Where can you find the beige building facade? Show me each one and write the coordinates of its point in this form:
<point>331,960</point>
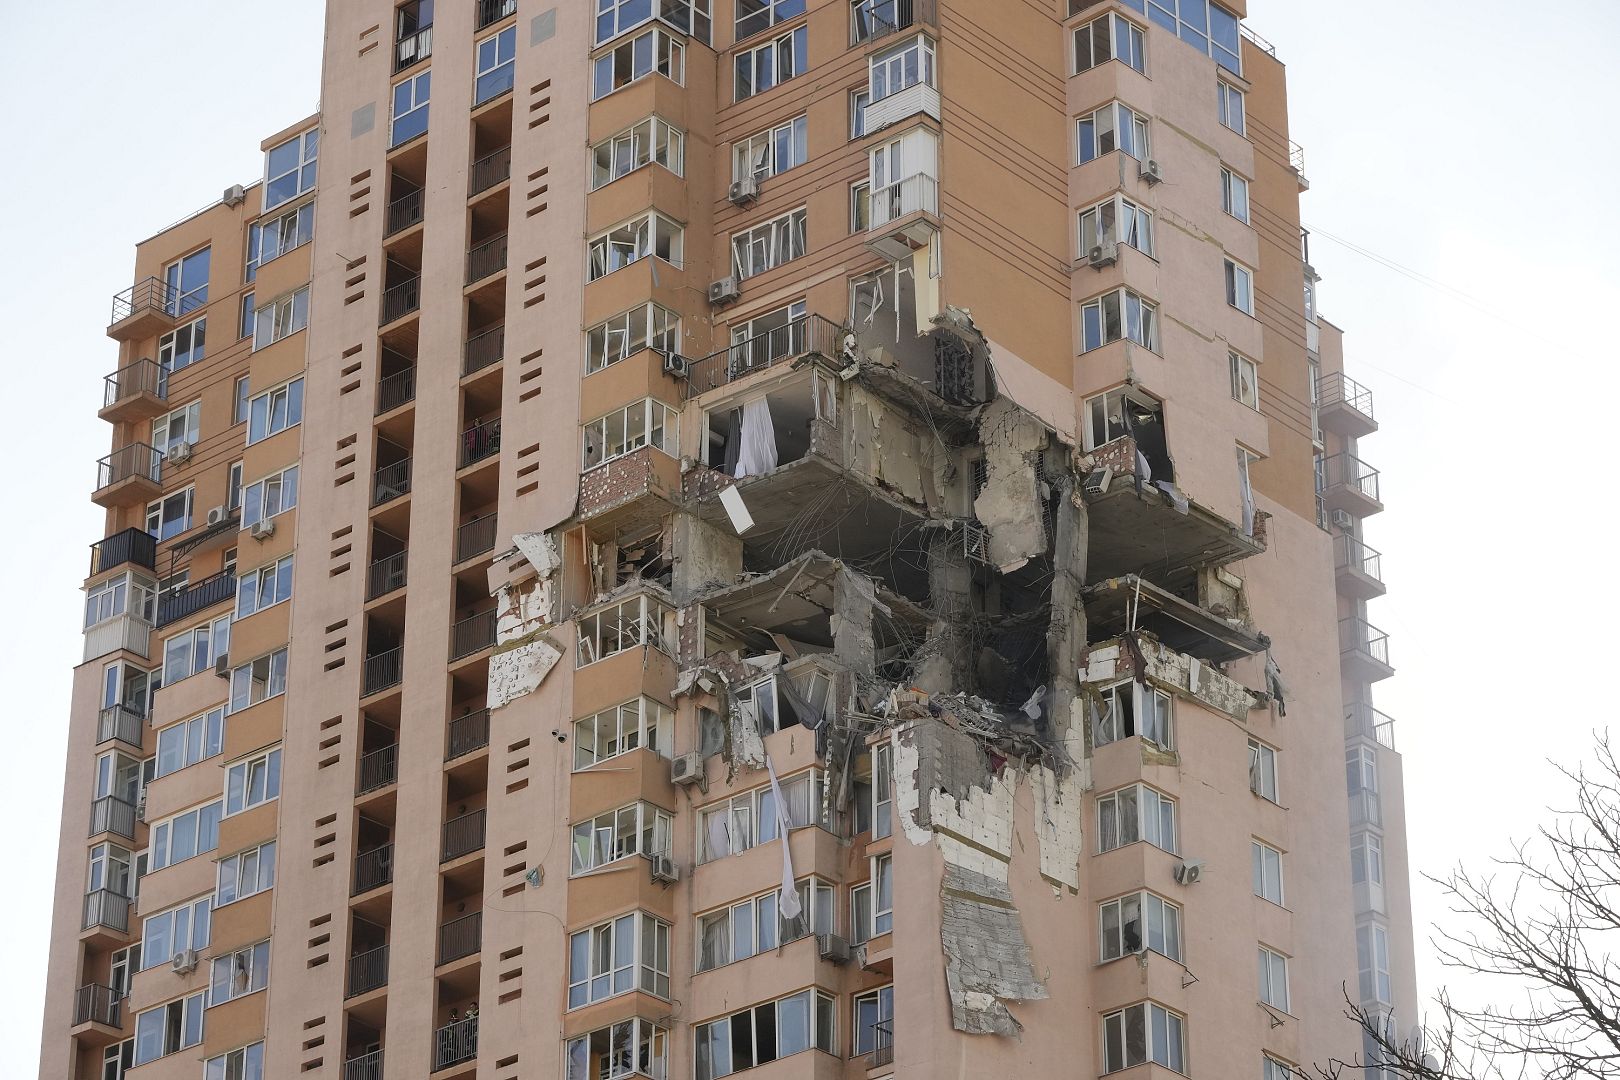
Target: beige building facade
<point>914,627</point>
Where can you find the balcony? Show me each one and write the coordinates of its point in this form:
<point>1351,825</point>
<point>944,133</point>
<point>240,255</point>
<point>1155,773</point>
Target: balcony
<point>122,723</point>
<point>463,835</point>
<point>1345,406</point>
<point>378,769</point>
<point>882,1045</point>
<point>455,1042</point>
<point>373,869</point>
<point>480,441</point>
<point>812,335</point>
<point>905,216</point>
<point>402,299</point>
<point>1351,485</point>
<point>134,546</point>
<point>1129,602</point>
<point>483,349</point>
<point>144,310</point>
<point>383,671</point>
<point>413,48</point>
<point>404,212</point>
<point>461,937</point>
<point>1365,809</point>
<point>96,1004</point>
<point>491,12</point>
<point>364,1067</point>
<point>137,391</point>
<point>1364,720</point>
<point>491,169</point>
<point>1363,651</point>
<point>918,98</point>
<point>390,482</point>
<point>196,596</point>
<point>128,632</point>
<point>1357,568</point>
<point>1296,162</point>
<point>486,259</point>
<point>881,18</point>
<point>475,538</point>
<point>110,814</point>
<point>386,575</point>
<point>467,733</point>
<point>132,475</point>
<point>472,634</point>
<point>106,910</point>
<point>368,971</point>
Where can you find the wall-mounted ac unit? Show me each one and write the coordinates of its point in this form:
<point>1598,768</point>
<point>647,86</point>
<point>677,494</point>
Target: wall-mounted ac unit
<point>744,192</point>
<point>178,454</point>
<point>1151,172</point>
<point>222,665</point>
<point>1103,255</point>
<point>216,515</point>
<point>1342,520</point>
<point>833,948</point>
<point>234,195</point>
<point>676,365</point>
<point>1189,871</point>
<point>686,769</point>
<point>664,870</point>
<point>1096,483</point>
<point>263,530</point>
<point>184,962</point>
<point>728,290</point>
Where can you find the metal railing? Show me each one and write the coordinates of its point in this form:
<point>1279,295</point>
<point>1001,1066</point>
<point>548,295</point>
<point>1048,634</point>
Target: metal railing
<point>483,349</point>
<point>493,11</point>
<point>120,722</point>
<point>1296,157</point>
<point>141,377</point>
<point>461,937</point>
<point>103,907</point>
<point>1351,554</point>
<point>486,258</point>
<point>882,1045</point>
<point>378,769</point>
<point>480,441</point>
<point>918,193</point>
<point>364,1067</point>
<point>1369,722</point>
<point>1347,470</point>
<point>404,212</point>
<point>97,1004</point>
<point>1259,42</point>
<point>402,299</point>
<point>396,390</point>
<point>1340,389</point>
<point>493,168</point>
<point>471,634</point>
<point>135,546</point>
<point>373,868</point>
<point>386,575</point>
<point>367,971</point>
<point>467,733</point>
<point>455,1042</point>
<point>475,538</point>
<point>463,835</point>
<point>384,669</point>
<point>390,482</point>
<point>134,461</point>
<point>196,596</point>
<point>1358,635</point>
<point>810,335</point>
<point>881,18</point>
<point>112,814</point>
<point>413,49</point>
<point>148,294</point>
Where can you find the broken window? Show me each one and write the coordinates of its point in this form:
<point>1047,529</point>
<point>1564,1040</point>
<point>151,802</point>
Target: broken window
<point>860,913</point>
<point>640,620</point>
<point>768,430</point>
<point>882,894</point>
<point>1138,922</point>
<point>648,422</point>
<point>769,710</point>
<point>1133,814</point>
<point>1245,380</point>
<point>1117,221</point>
<point>768,246</point>
<point>750,818</point>
<point>629,1048</point>
<point>764,1033</point>
<point>1262,770</point>
<point>637,829</point>
<point>1141,1033</point>
<point>1245,459</point>
<point>766,339</point>
<point>1115,126</point>
<point>1126,413</point>
<point>652,234</point>
<point>1119,314</point>
<point>627,333</point>
<point>882,791</point>
<point>1129,709</point>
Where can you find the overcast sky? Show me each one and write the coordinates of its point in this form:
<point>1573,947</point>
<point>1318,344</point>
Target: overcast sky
<point>1463,143</point>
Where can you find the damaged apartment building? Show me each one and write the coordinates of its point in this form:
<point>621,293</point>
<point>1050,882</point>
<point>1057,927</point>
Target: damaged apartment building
<point>906,629</point>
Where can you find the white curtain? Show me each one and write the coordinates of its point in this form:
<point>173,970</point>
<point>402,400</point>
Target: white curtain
<point>757,454</point>
<point>788,900</point>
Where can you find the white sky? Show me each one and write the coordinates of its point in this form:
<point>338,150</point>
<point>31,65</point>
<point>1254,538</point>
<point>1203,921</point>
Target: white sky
<point>1463,141</point>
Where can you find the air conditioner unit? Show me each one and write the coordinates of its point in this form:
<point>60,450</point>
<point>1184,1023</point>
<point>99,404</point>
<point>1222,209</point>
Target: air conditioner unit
<point>216,515</point>
<point>222,666</point>
<point>664,870</point>
<point>727,290</point>
<point>686,769</point>
<point>263,530</point>
<point>745,191</point>
<point>1150,171</point>
<point>234,195</point>
<point>140,807</point>
<point>178,454</point>
<point>1097,481</point>
<point>1103,255</point>
<point>184,962</point>
<point>833,948</point>
<point>1189,871</point>
<point>676,365</point>
<point>1343,520</point>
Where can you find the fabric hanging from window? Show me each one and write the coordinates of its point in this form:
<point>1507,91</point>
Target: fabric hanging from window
<point>757,454</point>
<point>788,905</point>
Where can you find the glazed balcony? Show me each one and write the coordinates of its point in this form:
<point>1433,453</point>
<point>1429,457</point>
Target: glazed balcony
<point>110,814</point>
<point>368,971</point>
<point>467,734</point>
<point>1351,485</point>
<point>461,937</point>
<point>134,546</point>
<point>1357,568</point>
<point>144,310</point>
<point>132,475</point>
<point>134,392</point>
<point>812,335</point>
<point>195,596</point>
<point>462,836</point>
<point>1345,406</point>
<point>1363,651</point>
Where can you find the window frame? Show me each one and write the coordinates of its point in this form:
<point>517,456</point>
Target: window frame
<point>281,318</point>
<point>198,932</point>
<point>1144,823</point>
<point>187,1025</point>
<point>656,417</point>
<point>157,512</point>
<point>881,1001</point>
<point>251,589</point>
<point>891,65</point>
<point>789,50</point>
<point>1105,123</point>
<point>257,502</point>
<point>240,796</point>
<point>1239,287</point>
<point>160,849</point>
<point>275,668</point>
<point>1273,968</point>
<point>646,234</point>
<point>169,352</point>
<point>819,1008</point>
<point>294,227</point>
<point>178,427</point>
<point>1113,722</point>
<point>1130,223</point>
<point>1135,56</point>
<point>203,734</point>
<point>419,95</point>
<point>500,71</point>
<point>1245,380</point>
<point>641,149</point>
<point>263,858</point>
<point>204,641</point>
<point>304,167</point>
<point>767,930</point>
<point>666,56</point>
<point>290,395</point>
<point>776,12</point>
<point>768,245</point>
<point>1234,195</point>
<point>1112,941</point>
<point>1263,773</point>
<point>764,150</point>
<point>757,807</point>
<point>651,835</point>
<point>1173,1055</point>
<point>1372,964</point>
<point>178,299</point>
<point>641,958</point>
<point>653,734</point>
<point>650,610</point>
<point>253,959</point>
<point>1225,96</point>
<point>645,326</point>
<point>1095,316</point>
<point>698,22</point>
<point>1264,860</point>
<point>250,1065</point>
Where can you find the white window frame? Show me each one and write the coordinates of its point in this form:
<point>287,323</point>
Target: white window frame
<point>1102,127</point>
<point>118,595</point>
<point>860,206</point>
<point>882,894</point>
<point>264,587</point>
<point>253,781</point>
<point>1372,962</point>
<point>1266,872</point>
<point>1118,39</point>
<point>179,299</point>
<point>1275,1069</point>
<point>900,67</point>
<point>770,244</point>
<point>626,1049</point>
<point>1274,979</point>
<point>1150,715</point>
<point>302,166</point>
<point>492,54</point>
<point>650,141</point>
<point>287,231</point>
<point>281,318</point>
<point>1367,859</point>
<point>648,618</point>
<point>859,102</point>
<point>775,12</point>
<point>644,423</point>
<point>1263,770</point>
<point>110,867</point>
<point>638,829</point>
<point>690,17</point>
<point>1231,107</point>
<point>202,643</point>
<point>171,357</point>
<point>1154,813</point>
<point>197,915</point>
<point>1116,220</point>
<point>882,790</point>
<point>1119,315</point>
<point>640,723</point>
<point>1240,287</point>
<point>1234,195</point>
<point>752,816</point>
<point>243,1063</point>
<point>239,973</point>
<point>646,326</point>
<point>248,872</point>
<point>288,397</point>
<point>418,95</point>
<point>1245,380</point>
<point>233,487</point>
<point>257,496</point>
<point>197,822</point>
<point>1158,926</point>
<point>1203,25</point>
<point>1117,1054</point>
<point>819,1010</point>
<point>181,426</point>
<point>631,963</point>
<point>773,151</point>
<point>879,1005</point>
<point>624,64</point>
<point>264,675</point>
<point>761,68</point>
<point>754,925</point>
<point>645,235</point>
<point>157,513</point>
<point>188,1026</point>
<point>200,738</point>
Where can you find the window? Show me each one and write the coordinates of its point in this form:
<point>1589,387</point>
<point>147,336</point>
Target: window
<point>775,62</point>
<point>1112,37</point>
<point>1272,1069</point>
<point>245,1063</point>
<point>173,931</point>
<point>902,67</point>
<point>186,283</point>
<point>882,791</point>
<point>289,169</point>
<point>615,17</point>
<point>756,15</point>
<point>1140,921</point>
<point>624,431</point>
<point>259,589</point>
<point>270,496</point>
<point>1372,958</point>
<point>637,829</point>
<point>859,100</point>
<point>190,741</point>
<point>1239,287</point>
<point>1117,221</point>
<point>275,410</point>
<point>1235,195</point>
<point>629,953</point>
<point>239,411</point>
<point>193,651</point>
<point>1230,106</point>
<point>1119,314</point>
<point>281,318</point>
<point>182,346</point>
<point>239,973</point>
<point>651,53</point>
<point>259,679</point>
<point>768,246</point>
<point>127,687</point>
<point>1366,859</point>
<point>117,1059</point>
<point>1268,883</point>
<point>122,967</point>
<point>627,1049</point>
<point>1115,126</point>
<point>169,1028</point>
<point>627,333</point>
<point>1361,770</point>
<point>1141,1033</point>
<point>1273,979</point>
<point>1262,770</point>
<point>109,869</point>
<point>651,142</point>
<point>871,19</point>
<point>1245,381</point>
<point>244,326</point>
<point>756,925</point>
<point>1245,460</point>
<point>1130,709</point>
<point>497,61</point>
<point>245,874</point>
<point>1136,813</point>
<point>111,598</point>
<point>621,729</point>
<point>653,234</point>
<point>860,206</point>
<point>765,339</point>
<point>118,776</point>
<point>771,152</point>
<point>183,836</point>
<point>253,781</point>
<point>765,1033</point>
<point>882,894</point>
<point>170,515</point>
<point>750,819</point>
<point>411,108</point>
<point>874,1021</point>
<point>275,237</point>
<point>629,624</point>
<point>177,428</point>
<point>1207,26</point>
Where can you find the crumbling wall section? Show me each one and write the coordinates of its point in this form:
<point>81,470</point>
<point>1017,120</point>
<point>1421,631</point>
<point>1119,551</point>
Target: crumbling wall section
<point>706,557</point>
<point>1009,506</point>
<point>1175,672</point>
<point>525,609</point>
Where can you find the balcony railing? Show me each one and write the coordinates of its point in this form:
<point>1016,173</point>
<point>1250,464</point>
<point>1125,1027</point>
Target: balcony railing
<point>491,169</point>
<point>120,722</point>
<point>493,11</point>
<point>810,335</point>
<point>135,461</point>
<point>103,907</point>
<point>141,377</point>
<point>475,538</point>
<point>367,971</point>
<point>483,349</point>
<point>386,575</point>
<point>913,195</point>
<point>471,634</point>
<point>1366,809</point>
<point>467,733</point>
<point>463,835</point>
<point>1296,158</point>
<point>882,18</point>
<point>364,1067</point>
<point>487,258</point>
<point>1347,470</point>
<point>135,546</point>
<point>404,212</point>
<point>396,390</point>
<point>149,295</point>
<point>402,299</point>
<point>1360,636</point>
<point>373,869</point>
<point>412,49</point>
<point>196,596</point>
<point>390,482</point>
<point>383,670</point>
<point>110,814</point>
<point>378,769</point>
<point>480,441</point>
<point>1351,554</point>
<point>882,1045</point>
<point>96,1004</point>
<point>1339,389</point>
<point>1368,721</point>
<point>455,1043</point>
<point>461,937</point>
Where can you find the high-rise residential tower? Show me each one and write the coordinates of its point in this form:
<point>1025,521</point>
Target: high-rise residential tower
<point>807,537</point>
